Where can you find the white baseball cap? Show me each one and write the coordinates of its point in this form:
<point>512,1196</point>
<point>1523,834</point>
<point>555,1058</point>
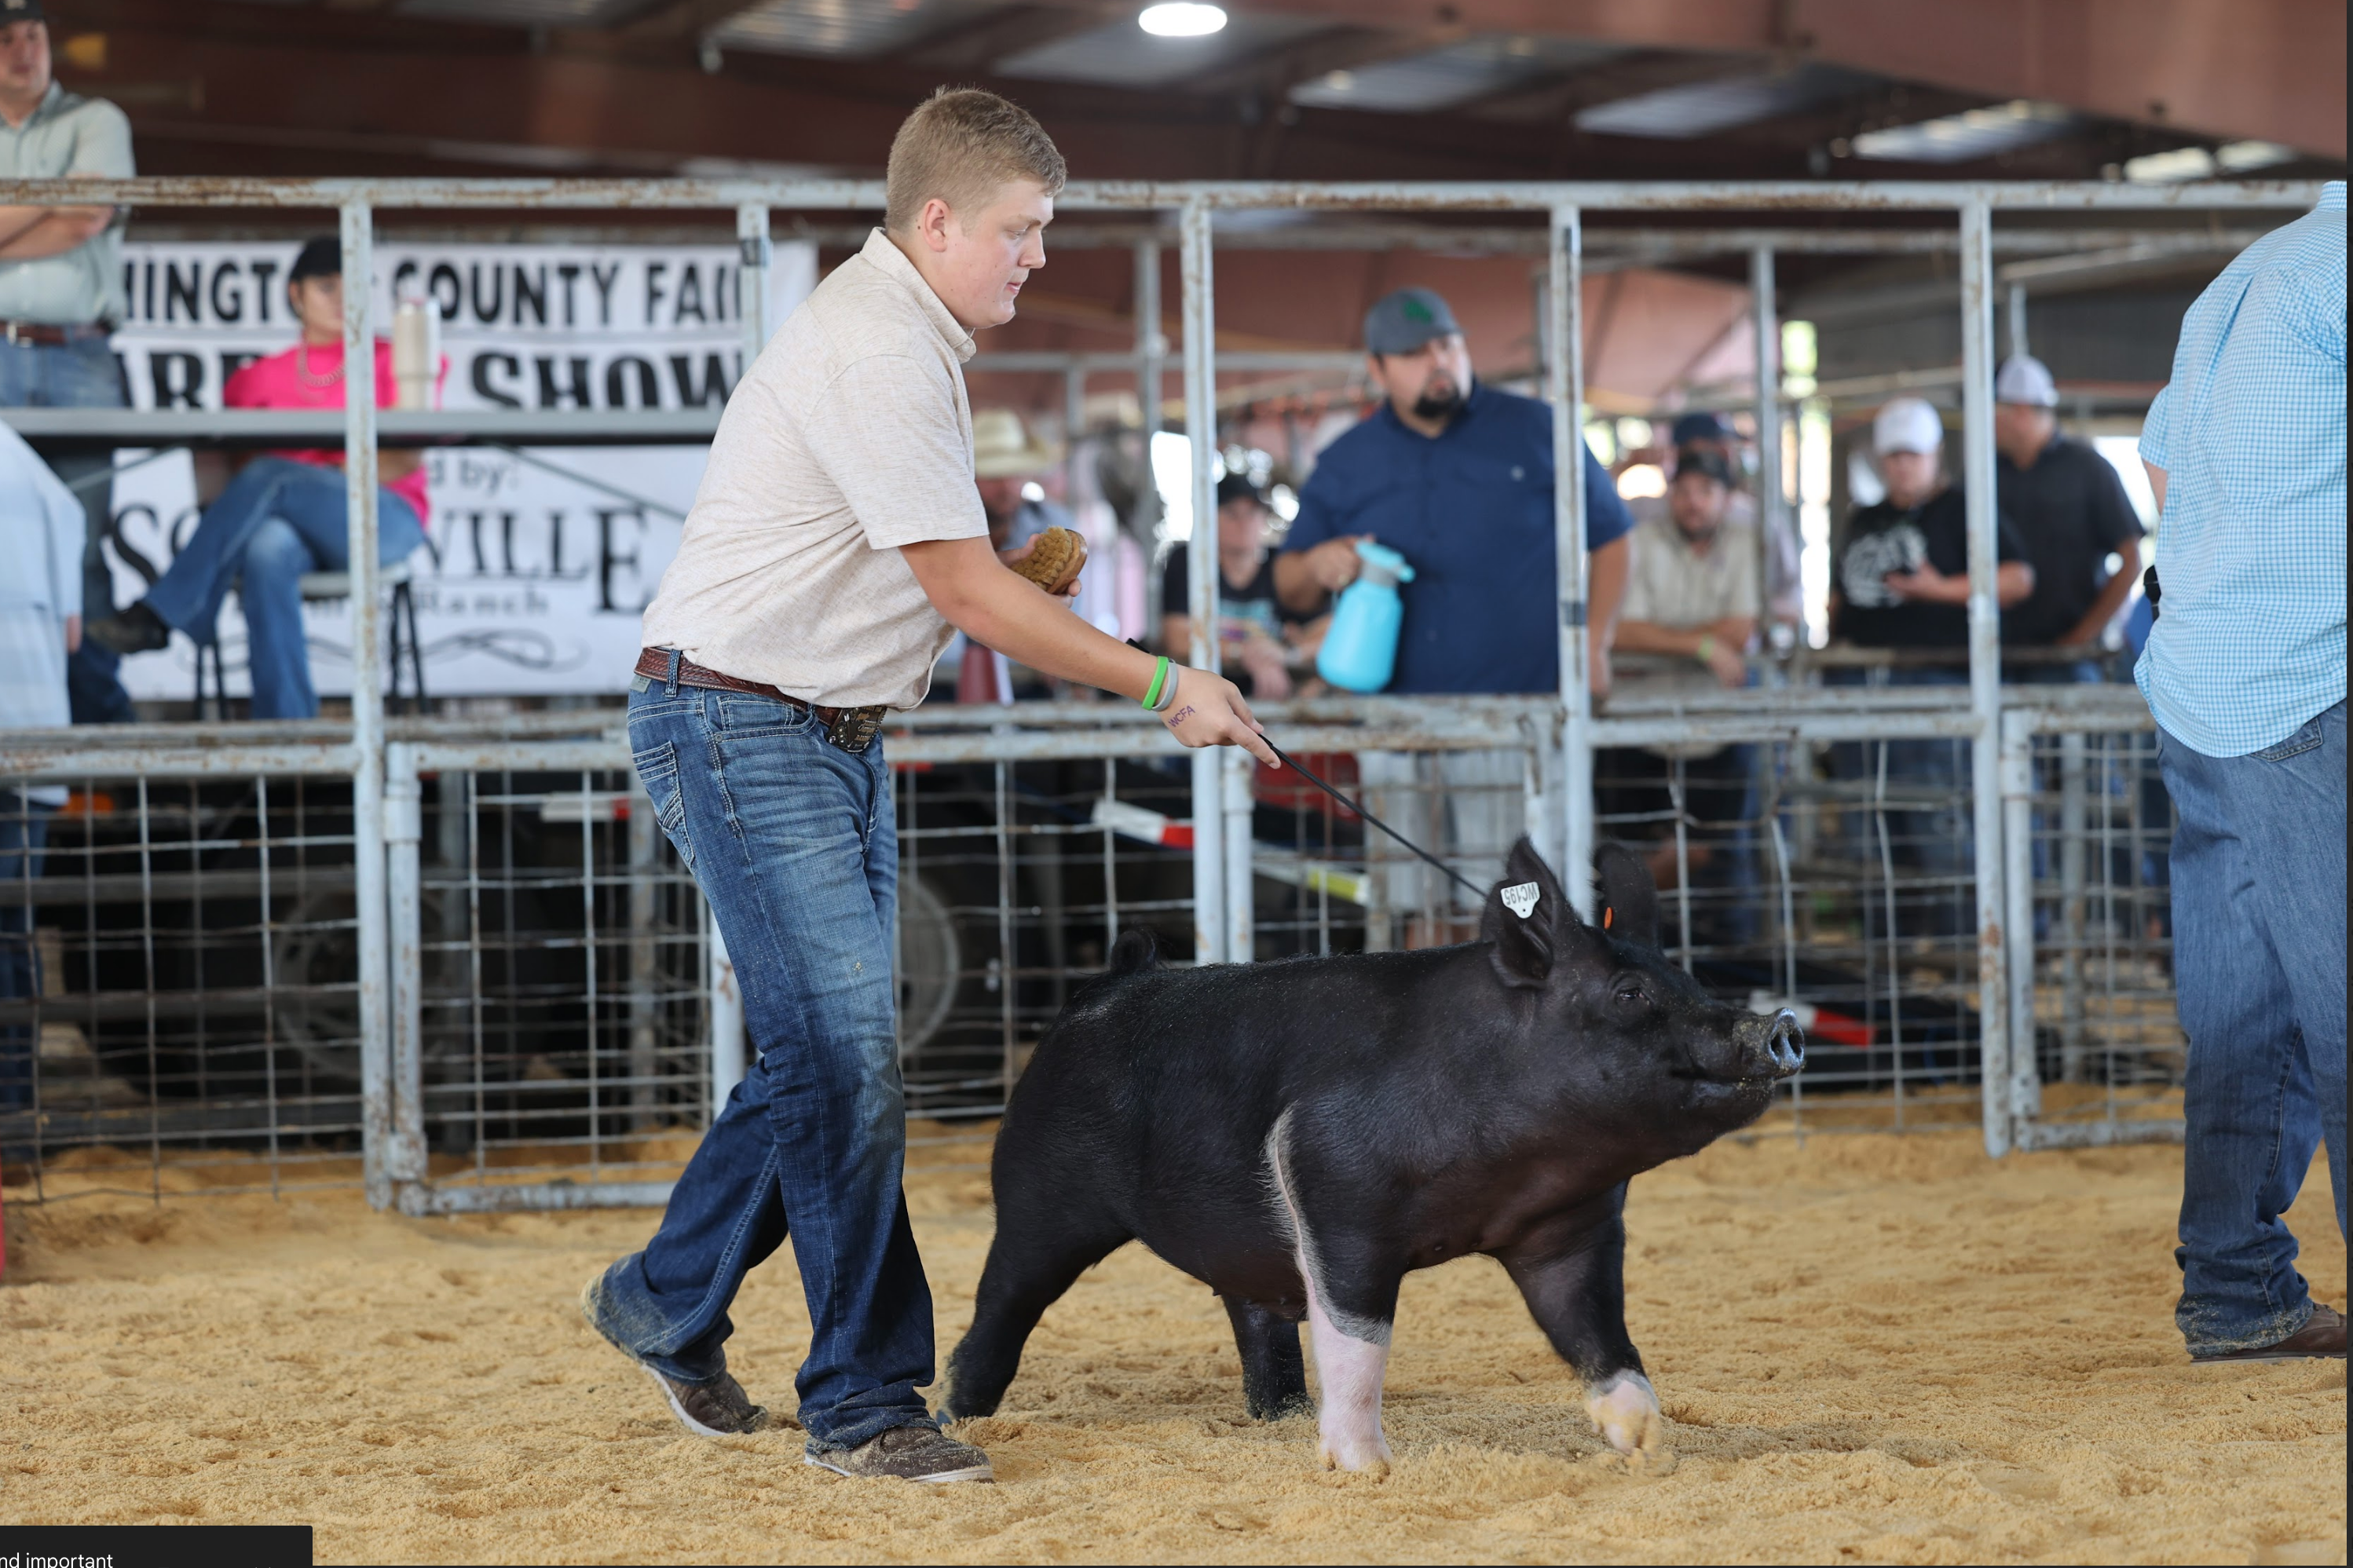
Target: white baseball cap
<point>2025,379</point>
<point>1907,425</point>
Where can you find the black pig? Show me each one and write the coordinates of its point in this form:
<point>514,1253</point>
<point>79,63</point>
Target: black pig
<point>1300,1134</point>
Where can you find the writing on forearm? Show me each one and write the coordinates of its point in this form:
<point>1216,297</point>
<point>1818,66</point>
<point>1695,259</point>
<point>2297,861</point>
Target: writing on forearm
<point>1180,715</point>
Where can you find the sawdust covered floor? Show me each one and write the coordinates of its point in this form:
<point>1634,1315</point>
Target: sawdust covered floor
<point>1871,1349</point>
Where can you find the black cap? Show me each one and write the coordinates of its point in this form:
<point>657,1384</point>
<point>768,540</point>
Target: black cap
<point>1237,487</point>
<point>21,11</point>
<point>1700,428</point>
<point>321,257</point>
<point>1703,460</point>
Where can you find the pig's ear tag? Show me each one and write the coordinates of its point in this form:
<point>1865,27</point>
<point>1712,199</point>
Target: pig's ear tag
<point>1520,899</point>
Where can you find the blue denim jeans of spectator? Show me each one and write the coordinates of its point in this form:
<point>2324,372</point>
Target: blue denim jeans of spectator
<point>1720,797</point>
<point>277,519</point>
<point>2259,974</point>
<point>2105,778</point>
<point>2083,672</point>
<point>24,835</point>
<point>795,845</point>
<point>1930,833</point>
<point>82,374</point>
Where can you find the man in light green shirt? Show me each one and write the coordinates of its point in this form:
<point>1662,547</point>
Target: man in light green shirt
<point>61,292</point>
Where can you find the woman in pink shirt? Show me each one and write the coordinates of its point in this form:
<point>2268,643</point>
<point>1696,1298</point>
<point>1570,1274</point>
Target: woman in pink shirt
<point>285,514</point>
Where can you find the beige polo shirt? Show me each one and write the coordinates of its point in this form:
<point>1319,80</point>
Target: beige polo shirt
<point>852,436</point>
<point>1669,583</point>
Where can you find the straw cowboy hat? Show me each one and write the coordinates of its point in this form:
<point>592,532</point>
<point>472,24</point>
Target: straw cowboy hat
<point>1002,448</point>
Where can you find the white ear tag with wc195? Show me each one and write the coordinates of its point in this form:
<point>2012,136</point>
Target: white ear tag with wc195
<point>1520,899</point>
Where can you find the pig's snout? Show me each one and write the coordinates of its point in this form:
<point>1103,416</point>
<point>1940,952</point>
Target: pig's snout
<point>1779,1048</point>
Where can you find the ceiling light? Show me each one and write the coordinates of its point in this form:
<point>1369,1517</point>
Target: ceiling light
<point>2167,168</point>
<point>2198,163</point>
<point>2243,157</point>
<point>1181,19</point>
<point>1971,134</point>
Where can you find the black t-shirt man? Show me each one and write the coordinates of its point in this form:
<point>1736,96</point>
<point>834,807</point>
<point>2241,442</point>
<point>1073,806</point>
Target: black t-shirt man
<point>1885,538</point>
<point>2072,514</point>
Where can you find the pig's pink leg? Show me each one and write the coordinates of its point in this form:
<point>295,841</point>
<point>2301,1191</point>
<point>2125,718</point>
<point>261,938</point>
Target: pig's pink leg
<point>1625,1411</point>
<point>1352,1351</point>
<point>1348,1372</point>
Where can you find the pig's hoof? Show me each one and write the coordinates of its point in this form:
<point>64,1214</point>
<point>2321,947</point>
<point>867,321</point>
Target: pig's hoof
<point>1371,1457</point>
<point>1625,1411</point>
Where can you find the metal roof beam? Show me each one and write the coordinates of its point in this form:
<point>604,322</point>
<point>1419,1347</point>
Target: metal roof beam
<point>2273,69</point>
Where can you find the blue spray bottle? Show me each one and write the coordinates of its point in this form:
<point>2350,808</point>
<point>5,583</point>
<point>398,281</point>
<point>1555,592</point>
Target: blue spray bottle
<point>1359,653</point>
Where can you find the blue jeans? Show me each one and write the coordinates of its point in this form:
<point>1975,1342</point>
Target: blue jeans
<point>795,845</point>
<point>277,519</point>
<point>2259,974</point>
<point>82,373</point>
<point>24,833</point>
<point>1935,838</point>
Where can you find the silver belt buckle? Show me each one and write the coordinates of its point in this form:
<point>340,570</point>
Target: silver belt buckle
<point>853,728</point>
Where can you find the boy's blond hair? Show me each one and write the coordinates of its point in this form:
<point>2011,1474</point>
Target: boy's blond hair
<point>960,145</point>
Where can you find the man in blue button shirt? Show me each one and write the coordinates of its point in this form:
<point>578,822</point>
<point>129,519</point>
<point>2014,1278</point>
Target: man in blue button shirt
<point>1457,479</point>
<point>2245,671</point>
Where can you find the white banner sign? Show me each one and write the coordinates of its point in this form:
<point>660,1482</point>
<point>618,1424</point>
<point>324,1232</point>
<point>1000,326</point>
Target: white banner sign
<point>536,564</point>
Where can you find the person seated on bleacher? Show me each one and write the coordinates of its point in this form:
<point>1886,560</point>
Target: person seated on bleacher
<point>285,514</point>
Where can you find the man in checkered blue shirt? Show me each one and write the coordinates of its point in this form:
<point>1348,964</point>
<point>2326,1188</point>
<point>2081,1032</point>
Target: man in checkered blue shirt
<point>2245,673</point>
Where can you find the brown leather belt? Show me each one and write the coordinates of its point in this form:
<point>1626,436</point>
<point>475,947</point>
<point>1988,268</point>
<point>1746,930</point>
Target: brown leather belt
<point>852,729</point>
<point>45,333</point>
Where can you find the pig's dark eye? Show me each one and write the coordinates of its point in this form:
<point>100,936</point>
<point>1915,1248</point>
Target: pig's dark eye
<point>1631,992</point>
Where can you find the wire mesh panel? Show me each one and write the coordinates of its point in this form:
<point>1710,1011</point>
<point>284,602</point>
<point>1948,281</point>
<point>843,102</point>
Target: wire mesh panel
<point>2091,831</point>
<point>178,982</point>
<point>1015,879</point>
<point>1327,881</point>
<point>562,1025</point>
<point>1831,877</point>
<point>179,956</point>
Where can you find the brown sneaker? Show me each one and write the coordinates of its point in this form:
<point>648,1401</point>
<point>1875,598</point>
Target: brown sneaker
<point>910,1454</point>
<point>716,1408</point>
<point>719,1408</point>
<point>2321,1338</point>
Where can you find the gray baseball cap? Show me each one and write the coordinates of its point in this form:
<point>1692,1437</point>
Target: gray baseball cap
<point>1402,322</point>
<point>21,11</point>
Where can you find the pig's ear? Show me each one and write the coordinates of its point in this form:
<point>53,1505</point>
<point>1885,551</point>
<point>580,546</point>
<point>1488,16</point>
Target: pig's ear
<point>1525,916</point>
<point>1628,894</point>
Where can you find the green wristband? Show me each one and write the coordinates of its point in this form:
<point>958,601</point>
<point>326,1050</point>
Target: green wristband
<point>1159,674</point>
<point>1707,650</point>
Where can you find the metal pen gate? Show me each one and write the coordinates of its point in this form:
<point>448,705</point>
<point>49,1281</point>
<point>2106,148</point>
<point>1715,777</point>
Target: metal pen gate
<point>386,1016</point>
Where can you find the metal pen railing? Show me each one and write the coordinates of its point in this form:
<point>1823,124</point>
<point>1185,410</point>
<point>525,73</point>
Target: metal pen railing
<point>1221,795</point>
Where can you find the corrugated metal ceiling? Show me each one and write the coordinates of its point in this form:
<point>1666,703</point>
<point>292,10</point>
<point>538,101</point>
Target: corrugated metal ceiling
<point>1704,108</point>
<point>846,28</point>
<point>524,13</point>
<point>1972,133</point>
<point>1456,74</point>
